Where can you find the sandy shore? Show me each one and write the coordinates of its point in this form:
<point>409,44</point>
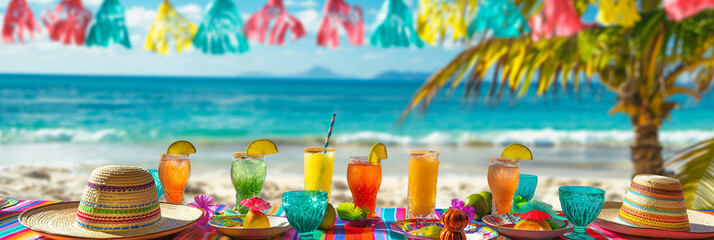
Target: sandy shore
<point>52,183</point>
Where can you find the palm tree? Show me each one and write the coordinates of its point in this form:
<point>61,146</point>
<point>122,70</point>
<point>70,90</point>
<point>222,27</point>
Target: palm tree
<point>641,64</point>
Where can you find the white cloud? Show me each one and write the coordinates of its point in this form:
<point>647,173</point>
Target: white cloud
<point>301,3</point>
<point>140,17</point>
<point>191,11</point>
<point>310,19</point>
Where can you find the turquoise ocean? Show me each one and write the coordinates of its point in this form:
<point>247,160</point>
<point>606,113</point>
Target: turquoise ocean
<point>103,115</point>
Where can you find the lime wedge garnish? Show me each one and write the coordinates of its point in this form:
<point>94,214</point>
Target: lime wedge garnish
<point>517,151</point>
<point>378,152</point>
<point>181,147</point>
<point>261,147</point>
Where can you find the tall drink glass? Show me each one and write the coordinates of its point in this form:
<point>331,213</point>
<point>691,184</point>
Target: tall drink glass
<point>423,172</point>
<point>364,179</point>
<point>248,176</point>
<point>174,171</point>
<point>503,176</point>
<point>319,163</point>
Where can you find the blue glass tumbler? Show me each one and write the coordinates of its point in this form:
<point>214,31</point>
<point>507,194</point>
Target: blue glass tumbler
<point>581,205</point>
<point>305,210</point>
<point>526,186</point>
<point>157,181</point>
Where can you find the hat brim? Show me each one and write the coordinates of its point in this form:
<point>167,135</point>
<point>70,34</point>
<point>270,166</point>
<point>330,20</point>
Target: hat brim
<point>57,221</point>
<point>701,224</point>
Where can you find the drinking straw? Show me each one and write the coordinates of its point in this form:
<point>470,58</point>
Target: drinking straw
<point>329,133</point>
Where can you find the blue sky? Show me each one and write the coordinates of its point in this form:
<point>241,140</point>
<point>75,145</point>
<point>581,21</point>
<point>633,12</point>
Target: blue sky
<point>41,56</point>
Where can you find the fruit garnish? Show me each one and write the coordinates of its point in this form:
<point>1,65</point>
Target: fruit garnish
<point>480,205</point>
<point>553,225</point>
<point>329,219</point>
<point>377,153</point>
<point>518,202</point>
<point>534,220</point>
<point>534,205</point>
<point>489,199</point>
<point>350,212</point>
<point>429,231</point>
<point>517,151</point>
<point>255,217</point>
<point>261,147</point>
<point>181,147</point>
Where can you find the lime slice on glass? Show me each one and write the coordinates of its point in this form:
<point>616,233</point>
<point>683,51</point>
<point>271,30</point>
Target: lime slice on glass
<point>261,147</point>
<point>517,151</point>
<point>377,152</point>
<point>181,147</point>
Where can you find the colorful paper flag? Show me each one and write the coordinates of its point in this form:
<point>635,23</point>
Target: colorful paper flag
<point>110,26</point>
<point>618,12</point>
<point>437,17</point>
<point>557,19</point>
<point>681,9</point>
<point>502,17</point>
<point>169,24</point>
<point>18,18</point>
<point>394,26</point>
<point>257,26</point>
<point>336,13</point>
<point>221,29</point>
<point>68,23</point>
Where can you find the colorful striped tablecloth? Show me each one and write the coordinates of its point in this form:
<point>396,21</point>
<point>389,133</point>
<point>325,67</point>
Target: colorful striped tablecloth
<point>11,229</point>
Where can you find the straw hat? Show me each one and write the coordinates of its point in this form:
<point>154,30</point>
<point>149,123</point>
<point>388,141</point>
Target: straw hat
<point>118,202</point>
<point>655,204</point>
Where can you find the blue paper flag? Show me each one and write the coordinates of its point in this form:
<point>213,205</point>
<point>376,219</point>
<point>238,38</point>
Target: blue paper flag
<point>110,26</point>
<point>502,17</point>
<point>221,30</point>
<point>394,26</point>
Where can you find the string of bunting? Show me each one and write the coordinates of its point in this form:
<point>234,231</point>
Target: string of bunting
<point>222,30</point>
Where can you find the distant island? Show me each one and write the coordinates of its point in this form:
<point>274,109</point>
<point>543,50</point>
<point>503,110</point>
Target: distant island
<point>321,72</point>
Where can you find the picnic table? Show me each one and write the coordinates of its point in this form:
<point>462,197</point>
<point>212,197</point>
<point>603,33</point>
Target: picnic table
<point>11,229</point>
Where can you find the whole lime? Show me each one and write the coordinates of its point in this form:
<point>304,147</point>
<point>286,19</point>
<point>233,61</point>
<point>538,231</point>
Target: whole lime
<point>430,232</point>
<point>489,199</point>
<point>479,204</point>
<point>329,220</point>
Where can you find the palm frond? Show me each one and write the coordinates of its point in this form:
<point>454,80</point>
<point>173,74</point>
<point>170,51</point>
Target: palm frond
<point>694,167</point>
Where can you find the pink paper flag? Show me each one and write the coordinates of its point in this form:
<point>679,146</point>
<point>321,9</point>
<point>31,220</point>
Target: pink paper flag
<point>338,12</point>
<point>18,17</point>
<point>559,17</point>
<point>68,22</point>
<point>681,9</point>
<point>258,24</point>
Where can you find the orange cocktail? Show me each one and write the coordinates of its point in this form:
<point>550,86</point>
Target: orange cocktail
<point>423,172</point>
<point>174,170</point>
<point>364,179</point>
<point>503,176</point>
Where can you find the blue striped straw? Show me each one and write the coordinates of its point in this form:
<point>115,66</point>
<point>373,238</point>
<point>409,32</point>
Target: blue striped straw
<point>329,133</point>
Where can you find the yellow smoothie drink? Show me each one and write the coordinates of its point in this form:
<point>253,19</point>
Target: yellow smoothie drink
<point>319,163</point>
<point>423,172</point>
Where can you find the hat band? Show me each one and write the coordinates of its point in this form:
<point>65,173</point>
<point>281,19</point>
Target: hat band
<point>119,211</point>
<point>119,188</point>
<point>117,228</point>
<point>117,207</point>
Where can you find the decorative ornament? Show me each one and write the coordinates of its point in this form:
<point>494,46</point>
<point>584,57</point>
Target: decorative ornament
<point>455,221</point>
<point>394,26</point>
<point>336,13</point>
<point>169,24</point>
<point>618,12</point>
<point>68,23</point>
<point>221,30</point>
<point>681,9</point>
<point>204,202</point>
<point>18,17</point>
<point>274,11</point>
<point>557,19</point>
<point>502,17</point>
<point>436,17</point>
<point>460,205</point>
<point>110,26</point>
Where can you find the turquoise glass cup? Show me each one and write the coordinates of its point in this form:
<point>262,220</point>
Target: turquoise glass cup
<point>159,189</point>
<point>581,205</point>
<point>526,186</point>
<point>305,210</point>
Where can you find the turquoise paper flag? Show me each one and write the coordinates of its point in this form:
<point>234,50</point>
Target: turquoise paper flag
<point>502,17</point>
<point>110,26</point>
<point>394,26</point>
<point>221,29</point>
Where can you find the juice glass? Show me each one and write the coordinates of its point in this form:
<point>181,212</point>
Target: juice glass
<point>248,176</point>
<point>503,176</point>
<point>174,170</point>
<point>364,179</point>
<point>423,172</point>
<point>319,163</point>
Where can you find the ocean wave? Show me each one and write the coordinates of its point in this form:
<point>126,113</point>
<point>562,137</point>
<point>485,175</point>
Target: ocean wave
<point>61,135</point>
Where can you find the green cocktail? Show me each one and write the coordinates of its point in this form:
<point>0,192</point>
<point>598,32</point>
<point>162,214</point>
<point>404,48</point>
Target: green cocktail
<point>248,176</point>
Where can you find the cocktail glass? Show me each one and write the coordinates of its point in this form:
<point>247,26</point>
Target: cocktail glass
<point>305,210</point>
<point>423,172</point>
<point>174,171</point>
<point>319,163</point>
<point>248,176</point>
<point>581,205</point>
<point>503,176</point>
<point>157,182</point>
<point>364,179</point>
<point>526,186</point>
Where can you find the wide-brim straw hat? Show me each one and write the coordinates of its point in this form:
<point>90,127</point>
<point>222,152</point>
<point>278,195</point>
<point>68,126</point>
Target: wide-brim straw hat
<point>136,189</point>
<point>701,224</point>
